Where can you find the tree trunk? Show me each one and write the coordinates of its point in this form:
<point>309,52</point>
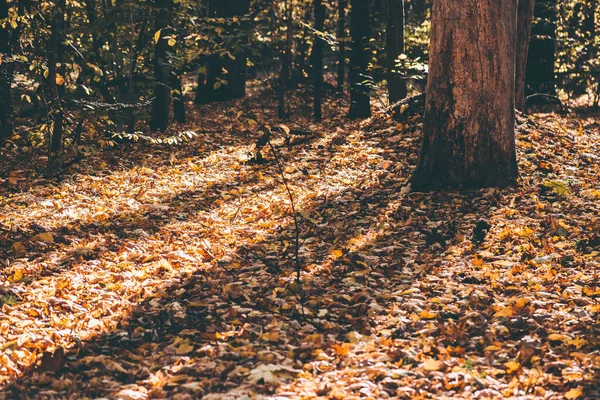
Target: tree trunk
<point>301,68</point>
<point>524,19</point>
<point>235,78</point>
<point>318,45</point>
<point>539,76</point>
<point>159,119</point>
<point>341,37</point>
<point>178,100</point>
<point>360,101</point>
<point>199,98</point>
<point>289,41</point>
<point>5,78</point>
<point>394,47</point>
<point>281,108</point>
<point>469,130</point>
<point>56,112</point>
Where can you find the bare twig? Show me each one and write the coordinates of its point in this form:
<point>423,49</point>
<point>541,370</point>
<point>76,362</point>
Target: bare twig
<point>293,207</point>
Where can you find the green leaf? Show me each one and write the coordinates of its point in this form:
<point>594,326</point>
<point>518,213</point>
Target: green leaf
<point>559,188</point>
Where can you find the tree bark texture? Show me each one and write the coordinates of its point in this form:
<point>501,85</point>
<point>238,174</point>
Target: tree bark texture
<point>56,112</point>
<point>286,66</point>
<point>5,77</point>
<point>341,37</point>
<point>524,20</point>
<point>394,47</point>
<point>178,100</point>
<point>539,76</point>
<point>469,129</point>
<point>159,119</point>
<point>360,99</point>
<point>318,45</point>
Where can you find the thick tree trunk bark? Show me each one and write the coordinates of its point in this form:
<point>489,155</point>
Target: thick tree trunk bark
<point>5,78</point>
<point>394,47</point>
<point>469,130</point>
<point>159,119</point>
<point>524,19</point>
<point>360,100</point>
<point>341,37</point>
<point>318,45</point>
<point>539,76</point>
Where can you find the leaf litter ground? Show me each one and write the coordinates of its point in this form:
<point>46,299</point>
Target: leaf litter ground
<point>168,272</point>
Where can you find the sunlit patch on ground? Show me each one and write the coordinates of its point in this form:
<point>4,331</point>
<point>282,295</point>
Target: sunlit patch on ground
<point>174,276</point>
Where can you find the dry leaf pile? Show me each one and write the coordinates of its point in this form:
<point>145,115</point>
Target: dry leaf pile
<point>157,272</point>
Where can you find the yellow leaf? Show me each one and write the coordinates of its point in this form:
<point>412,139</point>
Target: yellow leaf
<point>577,342</point>
<point>172,42</point>
<point>184,348</point>
<point>16,276</point>
<point>337,253</point>
<point>427,315</point>
<point>45,237</point>
<point>559,188</point>
<point>521,302</point>
<point>272,336</point>
<point>157,36</point>
<point>504,312</point>
<point>477,262</point>
<point>341,349</point>
<point>432,365</point>
<point>573,393</point>
<point>512,366</point>
<point>557,337</point>
<point>524,232</point>
<point>59,80</point>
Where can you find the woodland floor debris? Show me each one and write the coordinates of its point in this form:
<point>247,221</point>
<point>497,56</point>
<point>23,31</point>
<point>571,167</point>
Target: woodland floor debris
<point>170,274</point>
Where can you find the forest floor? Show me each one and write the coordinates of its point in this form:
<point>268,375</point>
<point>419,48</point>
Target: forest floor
<point>167,271</point>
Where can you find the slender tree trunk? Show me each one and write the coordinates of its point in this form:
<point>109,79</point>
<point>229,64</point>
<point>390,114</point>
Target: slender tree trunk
<point>318,45</point>
<point>360,100</point>
<point>178,100</point>
<point>539,76</point>
<point>56,112</point>
<point>281,112</point>
<point>159,119</point>
<point>394,47</point>
<point>289,41</point>
<point>469,137</point>
<point>591,31</point>
<point>235,78</point>
<point>301,68</point>
<point>589,36</point>
<point>201,87</point>
<point>5,77</point>
<point>341,37</point>
<point>524,19</point>
<point>131,91</point>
